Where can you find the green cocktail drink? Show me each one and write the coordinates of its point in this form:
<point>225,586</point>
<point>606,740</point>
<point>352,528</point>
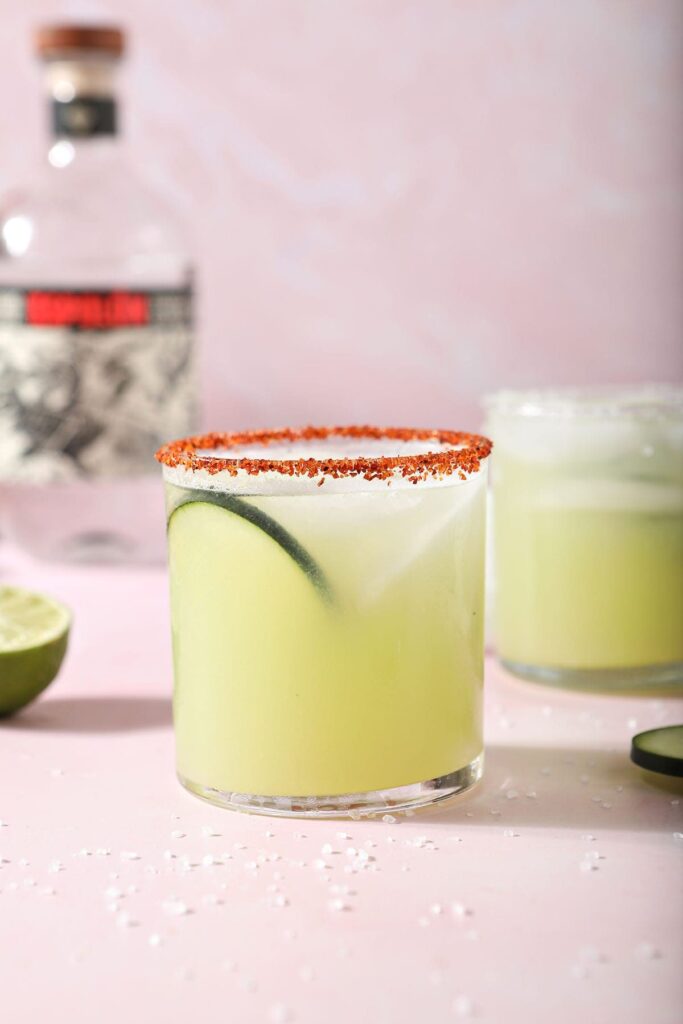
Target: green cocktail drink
<point>327,608</point>
<point>588,513</point>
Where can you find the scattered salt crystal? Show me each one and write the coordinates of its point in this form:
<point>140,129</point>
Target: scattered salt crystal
<point>168,855</point>
<point>29,883</point>
<point>326,849</point>
<point>320,865</point>
<point>124,920</point>
<point>338,904</point>
<point>632,723</point>
<point>646,951</point>
<point>510,833</point>
<point>300,835</point>
<point>606,806</point>
<point>208,860</point>
<point>280,1014</point>
<point>55,866</point>
<point>177,834</point>
<point>463,1006</point>
<point>590,954</point>
<point>24,863</point>
<point>154,939</point>
<point>103,851</point>
<point>211,900</point>
<point>389,819</point>
<point>405,867</point>
<point>3,824</point>
<point>436,909</point>
<point>343,835</point>
<point>129,855</point>
<point>269,834</point>
<point>208,831</point>
<point>588,838</point>
<point>132,888</point>
<point>47,890</point>
<point>239,846</point>
<point>460,910</point>
<point>511,794</point>
<point>280,901</point>
<point>56,772</point>
<point>532,794</point>
<point>587,865</point>
<point>370,843</point>
<point>112,893</point>
<point>174,908</point>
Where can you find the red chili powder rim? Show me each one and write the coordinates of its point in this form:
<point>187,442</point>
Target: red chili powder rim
<point>462,454</point>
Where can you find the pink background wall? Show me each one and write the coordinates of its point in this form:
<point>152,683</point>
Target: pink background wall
<point>401,204</point>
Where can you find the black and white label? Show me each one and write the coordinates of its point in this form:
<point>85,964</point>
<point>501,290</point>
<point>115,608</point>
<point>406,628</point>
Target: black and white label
<point>92,382</point>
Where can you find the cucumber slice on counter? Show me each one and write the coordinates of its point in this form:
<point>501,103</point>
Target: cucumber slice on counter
<point>659,750</point>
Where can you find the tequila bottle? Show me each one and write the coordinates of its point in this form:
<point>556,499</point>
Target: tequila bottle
<point>96,334</point>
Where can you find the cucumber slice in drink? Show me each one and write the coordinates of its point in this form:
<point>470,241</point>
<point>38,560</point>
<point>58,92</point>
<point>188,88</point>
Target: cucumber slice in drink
<point>34,632</point>
<point>240,507</point>
<point>660,750</point>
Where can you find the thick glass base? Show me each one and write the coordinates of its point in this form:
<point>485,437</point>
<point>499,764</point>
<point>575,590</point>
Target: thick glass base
<point>646,679</point>
<point>352,805</point>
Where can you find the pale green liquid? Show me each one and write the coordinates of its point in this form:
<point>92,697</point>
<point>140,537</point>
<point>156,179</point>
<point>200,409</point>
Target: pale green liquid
<point>280,691</point>
<point>589,570</point>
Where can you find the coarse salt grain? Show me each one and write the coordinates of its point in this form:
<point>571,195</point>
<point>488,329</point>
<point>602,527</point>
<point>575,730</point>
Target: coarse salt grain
<point>129,855</point>
<point>177,834</point>
<point>280,1014</point>
<point>337,904</point>
<point>174,908</point>
<point>55,866</point>
<point>463,1006</point>
<point>647,951</point>
<point>389,819</point>
<point>154,939</point>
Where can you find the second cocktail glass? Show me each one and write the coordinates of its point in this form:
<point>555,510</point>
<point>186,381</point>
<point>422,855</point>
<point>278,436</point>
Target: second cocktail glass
<point>327,607</point>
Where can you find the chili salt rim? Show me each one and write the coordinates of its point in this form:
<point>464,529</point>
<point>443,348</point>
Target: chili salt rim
<point>463,455</point>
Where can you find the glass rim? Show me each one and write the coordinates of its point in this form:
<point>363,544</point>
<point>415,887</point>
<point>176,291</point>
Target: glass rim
<point>648,401</point>
<point>460,454</point>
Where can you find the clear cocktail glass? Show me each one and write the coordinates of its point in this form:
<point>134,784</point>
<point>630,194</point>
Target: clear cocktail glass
<point>327,610</point>
<point>588,536</point>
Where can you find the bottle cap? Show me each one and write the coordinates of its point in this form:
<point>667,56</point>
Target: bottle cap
<point>56,40</point>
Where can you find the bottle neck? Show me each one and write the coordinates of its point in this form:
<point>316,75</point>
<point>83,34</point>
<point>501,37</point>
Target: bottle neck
<point>82,98</point>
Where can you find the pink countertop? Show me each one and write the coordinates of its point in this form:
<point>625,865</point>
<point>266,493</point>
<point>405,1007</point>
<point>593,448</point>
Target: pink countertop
<point>552,893</point>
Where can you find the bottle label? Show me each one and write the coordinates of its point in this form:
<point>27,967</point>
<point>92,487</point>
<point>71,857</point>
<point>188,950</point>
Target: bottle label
<point>92,382</point>
<point>84,116</point>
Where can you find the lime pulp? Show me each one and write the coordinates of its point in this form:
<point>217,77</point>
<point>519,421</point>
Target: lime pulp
<point>34,632</point>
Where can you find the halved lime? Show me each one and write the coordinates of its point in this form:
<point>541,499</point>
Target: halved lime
<point>34,631</point>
